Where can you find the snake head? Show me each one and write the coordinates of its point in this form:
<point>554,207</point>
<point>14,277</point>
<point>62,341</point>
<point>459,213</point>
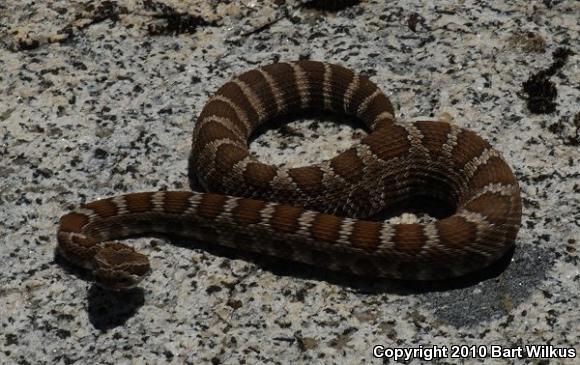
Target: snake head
<point>119,267</point>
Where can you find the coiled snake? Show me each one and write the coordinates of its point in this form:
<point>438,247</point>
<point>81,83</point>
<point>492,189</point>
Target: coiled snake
<point>314,214</point>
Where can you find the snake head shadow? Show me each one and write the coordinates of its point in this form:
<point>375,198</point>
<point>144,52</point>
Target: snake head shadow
<point>119,267</point>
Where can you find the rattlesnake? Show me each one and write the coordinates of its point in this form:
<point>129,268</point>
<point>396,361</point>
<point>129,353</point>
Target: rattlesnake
<point>314,214</point>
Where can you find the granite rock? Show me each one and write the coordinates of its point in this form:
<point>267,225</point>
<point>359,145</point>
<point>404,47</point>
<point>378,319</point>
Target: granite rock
<point>100,98</point>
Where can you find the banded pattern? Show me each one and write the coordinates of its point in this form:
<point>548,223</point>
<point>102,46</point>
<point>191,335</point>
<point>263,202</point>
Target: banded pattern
<point>315,214</point>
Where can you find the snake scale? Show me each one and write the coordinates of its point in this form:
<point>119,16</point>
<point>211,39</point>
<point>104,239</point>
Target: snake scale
<point>314,214</point>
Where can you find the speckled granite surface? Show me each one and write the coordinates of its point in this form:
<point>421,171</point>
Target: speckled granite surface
<point>100,99</point>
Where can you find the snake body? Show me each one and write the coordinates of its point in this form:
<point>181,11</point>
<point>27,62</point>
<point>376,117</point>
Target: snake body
<point>314,214</point>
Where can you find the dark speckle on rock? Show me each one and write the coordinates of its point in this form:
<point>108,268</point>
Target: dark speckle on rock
<point>101,153</point>
<point>541,92</point>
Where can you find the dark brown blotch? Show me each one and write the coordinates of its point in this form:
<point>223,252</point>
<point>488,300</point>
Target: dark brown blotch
<point>211,205</point>
<point>247,211</point>
<point>259,175</point>
<point>314,73</point>
<point>494,170</point>
<point>103,208</point>
<point>341,78</point>
<point>222,109</point>
<point>365,89</point>
<point>325,228</point>
<point>365,234</point>
<point>284,79</point>
<point>456,232</point>
<point>234,93</point>
<point>176,202</point>
<point>388,142</point>
<point>434,135</point>
<point>496,208</point>
<point>348,165</point>
<point>73,222</point>
<point>260,87</point>
<point>469,145</point>
<point>308,178</point>
<point>409,238</point>
<point>285,218</point>
<point>211,130</point>
<point>227,155</point>
<point>376,107</point>
<point>139,202</point>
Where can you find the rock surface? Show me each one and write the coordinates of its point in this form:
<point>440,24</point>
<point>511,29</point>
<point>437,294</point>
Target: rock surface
<point>98,100</point>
